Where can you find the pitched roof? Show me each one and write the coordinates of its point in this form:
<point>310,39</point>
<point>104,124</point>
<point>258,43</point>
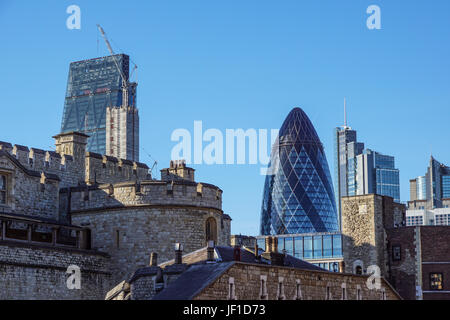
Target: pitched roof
<point>191,282</point>
<point>226,254</point>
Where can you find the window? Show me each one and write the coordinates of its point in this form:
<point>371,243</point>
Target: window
<point>358,270</point>
<point>396,253</point>
<point>344,291</point>
<point>231,289</point>
<point>2,189</point>
<point>298,291</point>
<point>281,289</point>
<point>211,230</point>
<point>436,281</point>
<point>328,296</point>
<point>358,293</point>
<point>263,290</point>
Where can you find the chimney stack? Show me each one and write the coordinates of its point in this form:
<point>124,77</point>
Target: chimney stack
<point>256,250</point>
<point>268,244</point>
<point>271,254</point>
<point>153,259</point>
<point>275,244</point>
<point>210,252</point>
<point>178,253</point>
<point>237,253</point>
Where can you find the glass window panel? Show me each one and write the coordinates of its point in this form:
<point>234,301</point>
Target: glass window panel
<point>327,246</point>
<point>289,246</point>
<point>307,245</point>
<point>317,246</point>
<point>280,245</point>
<point>298,247</point>
<point>337,245</point>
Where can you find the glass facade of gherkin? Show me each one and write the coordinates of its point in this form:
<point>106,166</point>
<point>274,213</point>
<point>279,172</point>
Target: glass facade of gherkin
<point>298,194</point>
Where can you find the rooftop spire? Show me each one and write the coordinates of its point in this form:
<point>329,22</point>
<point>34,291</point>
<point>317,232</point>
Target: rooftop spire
<point>345,115</point>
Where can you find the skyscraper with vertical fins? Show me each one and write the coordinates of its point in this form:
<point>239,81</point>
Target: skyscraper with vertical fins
<point>298,194</point>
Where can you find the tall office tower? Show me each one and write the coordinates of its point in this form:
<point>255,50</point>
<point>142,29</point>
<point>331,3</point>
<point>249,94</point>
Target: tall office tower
<point>92,86</point>
<point>122,132</point>
<point>376,173</point>
<point>298,193</point>
<point>433,189</point>
<point>359,171</point>
<point>346,148</point>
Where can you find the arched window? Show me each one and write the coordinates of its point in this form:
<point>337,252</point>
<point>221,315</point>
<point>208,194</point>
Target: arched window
<point>358,270</point>
<point>211,230</point>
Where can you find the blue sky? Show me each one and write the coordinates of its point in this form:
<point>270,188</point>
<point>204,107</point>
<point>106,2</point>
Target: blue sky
<point>242,64</point>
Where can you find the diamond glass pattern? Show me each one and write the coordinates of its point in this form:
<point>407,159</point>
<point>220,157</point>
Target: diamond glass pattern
<point>298,195</point>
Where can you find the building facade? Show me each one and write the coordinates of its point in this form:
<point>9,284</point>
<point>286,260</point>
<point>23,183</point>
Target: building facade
<point>103,214</point>
<point>360,171</point>
<point>240,273</point>
<point>415,260</point>
<point>92,86</point>
<point>428,217</point>
<point>298,193</point>
<point>431,190</point>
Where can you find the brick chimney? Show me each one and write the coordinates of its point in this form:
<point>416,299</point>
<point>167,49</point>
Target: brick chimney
<point>210,252</point>
<point>237,253</point>
<point>153,259</point>
<point>271,254</point>
<point>256,250</point>
<point>178,253</point>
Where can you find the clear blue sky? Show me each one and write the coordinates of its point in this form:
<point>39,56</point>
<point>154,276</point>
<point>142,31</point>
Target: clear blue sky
<point>242,64</point>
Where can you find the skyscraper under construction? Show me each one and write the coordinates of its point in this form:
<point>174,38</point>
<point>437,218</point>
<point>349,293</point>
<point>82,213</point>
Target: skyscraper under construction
<point>93,86</point>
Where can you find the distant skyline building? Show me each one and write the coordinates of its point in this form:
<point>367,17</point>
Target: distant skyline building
<point>431,190</point>
<point>94,85</point>
<point>360,171</point>
<point>298,193</point>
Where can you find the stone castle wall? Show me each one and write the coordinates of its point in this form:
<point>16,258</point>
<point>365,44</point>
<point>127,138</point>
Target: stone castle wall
<point>33,272</point>
<point>130,234</point>
<point>312,285</point>
<point>145,193</point>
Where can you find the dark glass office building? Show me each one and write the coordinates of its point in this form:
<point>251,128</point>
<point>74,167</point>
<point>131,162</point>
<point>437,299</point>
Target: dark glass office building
<point>298,193</point>
<point>93,85</point>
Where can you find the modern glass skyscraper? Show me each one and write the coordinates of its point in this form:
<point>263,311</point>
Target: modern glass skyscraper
<point>298,194</point>
<point>94,85</point>
<point>432,188</point>
<point>360,171</point>
<point>376,173</point>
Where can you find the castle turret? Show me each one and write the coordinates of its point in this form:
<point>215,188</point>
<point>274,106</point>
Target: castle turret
<point>73,144</point>
<point>177,171</point>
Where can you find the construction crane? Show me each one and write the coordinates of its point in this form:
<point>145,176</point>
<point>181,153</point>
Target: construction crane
<point>124,79</point>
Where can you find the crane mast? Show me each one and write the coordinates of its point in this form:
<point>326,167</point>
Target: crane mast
<point>124,80</point>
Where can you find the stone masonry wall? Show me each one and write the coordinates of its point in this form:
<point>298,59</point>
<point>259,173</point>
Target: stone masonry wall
<point>130,234</point>
<point>363,232</point>
<point>29,194</point>
<point>33,272</point>
<point>313,285</point>
<point>145,193</point>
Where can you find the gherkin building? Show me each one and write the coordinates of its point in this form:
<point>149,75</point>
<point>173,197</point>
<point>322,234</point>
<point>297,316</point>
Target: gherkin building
<point>298,194</point>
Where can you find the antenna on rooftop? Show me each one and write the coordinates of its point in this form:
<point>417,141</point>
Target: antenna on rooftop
<point>345,114</point>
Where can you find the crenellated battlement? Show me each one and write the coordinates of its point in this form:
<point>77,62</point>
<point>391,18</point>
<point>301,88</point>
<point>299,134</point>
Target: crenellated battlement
<point>71,167</point>
<point>145,193</point>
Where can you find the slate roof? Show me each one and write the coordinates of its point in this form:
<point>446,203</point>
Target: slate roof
<point>191,282</point>
<point>226,254</point>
